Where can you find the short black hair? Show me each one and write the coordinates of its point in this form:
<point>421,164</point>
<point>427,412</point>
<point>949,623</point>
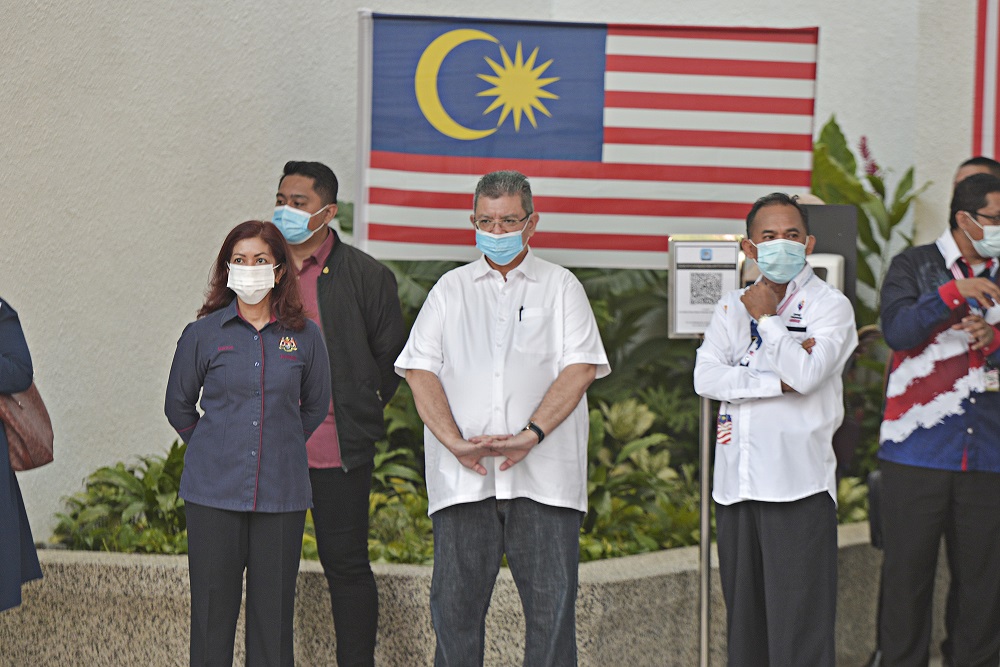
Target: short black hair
<point>970,195</point>
<point>324,180</point>
<point>777,199</point>
<point>982,161</point>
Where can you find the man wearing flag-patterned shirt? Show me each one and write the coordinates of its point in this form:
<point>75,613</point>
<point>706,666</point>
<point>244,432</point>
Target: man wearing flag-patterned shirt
<point>940,436</point>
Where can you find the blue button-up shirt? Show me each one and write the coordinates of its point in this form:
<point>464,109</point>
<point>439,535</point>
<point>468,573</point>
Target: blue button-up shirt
<point>262,395</point>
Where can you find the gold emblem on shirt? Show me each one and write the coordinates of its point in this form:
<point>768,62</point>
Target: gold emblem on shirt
<point>287,344</point>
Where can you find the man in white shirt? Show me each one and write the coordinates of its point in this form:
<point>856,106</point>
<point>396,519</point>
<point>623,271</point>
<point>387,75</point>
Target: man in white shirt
<point>773,355</point>
<point>505,345</point>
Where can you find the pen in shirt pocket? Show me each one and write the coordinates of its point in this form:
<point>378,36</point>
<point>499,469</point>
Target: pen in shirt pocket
<point>520,311</point>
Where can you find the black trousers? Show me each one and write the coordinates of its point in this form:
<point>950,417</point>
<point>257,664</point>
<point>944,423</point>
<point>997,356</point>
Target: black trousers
<point>221,545</point>
<point>919,506</point>
<point>340,514</point>
<point>778,564</point>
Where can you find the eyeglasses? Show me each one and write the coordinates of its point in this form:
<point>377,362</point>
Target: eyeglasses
<point>994,219</point>
<point>507,224</point>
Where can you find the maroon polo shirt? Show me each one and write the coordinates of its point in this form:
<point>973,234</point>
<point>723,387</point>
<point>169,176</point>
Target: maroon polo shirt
<point>324,445</point>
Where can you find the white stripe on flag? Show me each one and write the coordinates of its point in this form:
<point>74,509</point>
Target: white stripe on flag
<point>407,216</point>
<point>596,258</point>
<point>711,121</point>
<point>694,84</point>
<point>696,156</point>
<point>541,186</point>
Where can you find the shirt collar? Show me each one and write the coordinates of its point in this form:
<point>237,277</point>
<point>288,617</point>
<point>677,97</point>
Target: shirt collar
<point>528,267</point>
<point>232,312</point>
<point>321,254</point>
<point>949,248</point>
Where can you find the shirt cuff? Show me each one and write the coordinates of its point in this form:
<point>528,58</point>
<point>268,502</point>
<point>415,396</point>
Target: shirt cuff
<point>950,295</point>
<point>995,345</point>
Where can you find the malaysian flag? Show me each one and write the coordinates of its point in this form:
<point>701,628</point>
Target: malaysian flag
<point>985,140</point>
<point>628,133</point>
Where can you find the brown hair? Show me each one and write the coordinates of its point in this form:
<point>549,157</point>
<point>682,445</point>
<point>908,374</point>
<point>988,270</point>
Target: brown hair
<point>286,303</point>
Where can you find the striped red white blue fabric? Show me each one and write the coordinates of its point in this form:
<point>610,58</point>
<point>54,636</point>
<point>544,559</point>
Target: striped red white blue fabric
<point>985,139</point>
<point>690,125</point>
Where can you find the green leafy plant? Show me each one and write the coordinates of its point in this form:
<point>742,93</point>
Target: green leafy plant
<point>128,508</point>
<point>400,528</point>
<point>836,180</point>
<point>852,500</point>
<point>637,501</point>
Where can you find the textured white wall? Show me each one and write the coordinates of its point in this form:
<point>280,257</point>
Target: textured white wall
<point>136,134</point>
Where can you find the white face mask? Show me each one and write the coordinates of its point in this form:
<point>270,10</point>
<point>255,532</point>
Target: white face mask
<point>989,245</point>
<point>251,282</point>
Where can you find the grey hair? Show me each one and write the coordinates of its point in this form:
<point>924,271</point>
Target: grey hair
<point>498,184</point>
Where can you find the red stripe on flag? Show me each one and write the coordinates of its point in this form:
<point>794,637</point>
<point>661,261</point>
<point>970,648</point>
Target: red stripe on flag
<point>783,35</point>
<point>710,67</point>
<point>439,164</point>
<point>563,240</point>
<point>758,140</point>
<point>585,205</point>
<point>977,111</point>
<point>687,102</point>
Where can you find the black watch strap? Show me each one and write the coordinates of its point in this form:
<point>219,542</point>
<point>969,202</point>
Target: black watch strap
<point>532,426</point>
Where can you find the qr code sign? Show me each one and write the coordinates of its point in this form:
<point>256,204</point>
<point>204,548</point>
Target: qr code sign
<point>706,288</point>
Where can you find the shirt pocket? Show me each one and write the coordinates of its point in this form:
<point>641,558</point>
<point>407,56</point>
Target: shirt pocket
<point>535,332</point>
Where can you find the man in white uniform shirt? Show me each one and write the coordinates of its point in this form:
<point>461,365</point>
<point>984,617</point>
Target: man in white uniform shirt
<point>773,355</point>
<point>499,361</point>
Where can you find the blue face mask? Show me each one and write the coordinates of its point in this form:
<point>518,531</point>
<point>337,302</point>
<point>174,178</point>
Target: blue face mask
<point>500,248</point>
<point>294,223</point>
<point>780,260</point>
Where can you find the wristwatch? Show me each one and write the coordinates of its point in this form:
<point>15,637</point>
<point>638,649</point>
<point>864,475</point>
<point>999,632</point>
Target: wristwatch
<point>763,317</point>
<point>532,426</point>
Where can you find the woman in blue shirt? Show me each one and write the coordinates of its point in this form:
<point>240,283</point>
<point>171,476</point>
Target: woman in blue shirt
<point>18,560</point>
<point>261,370</point>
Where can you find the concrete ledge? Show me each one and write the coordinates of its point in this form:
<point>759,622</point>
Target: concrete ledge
<point>113,609</point>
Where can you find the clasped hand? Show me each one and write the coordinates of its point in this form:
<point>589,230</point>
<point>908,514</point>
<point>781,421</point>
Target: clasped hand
<point>512,447</point>
<point>759,299</point>
<point>979,330</point>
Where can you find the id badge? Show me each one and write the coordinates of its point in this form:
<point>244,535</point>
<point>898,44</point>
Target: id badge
<point>992,379</point>
<point>724,430</point>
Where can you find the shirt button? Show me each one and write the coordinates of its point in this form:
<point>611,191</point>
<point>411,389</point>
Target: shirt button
<point>496,375</point>
<point>255,337</point>
<point>954,302</point>
<point>972,400</point>
<point>253,453</point>
<point>256,364</point>
<point>969,430</point>
<point>255,422</point>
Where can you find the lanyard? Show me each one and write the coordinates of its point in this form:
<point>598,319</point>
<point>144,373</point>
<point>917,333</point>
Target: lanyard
<point>755,339</point>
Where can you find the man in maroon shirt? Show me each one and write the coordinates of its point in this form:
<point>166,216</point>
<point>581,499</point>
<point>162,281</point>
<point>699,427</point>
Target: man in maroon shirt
<point>354,300</point>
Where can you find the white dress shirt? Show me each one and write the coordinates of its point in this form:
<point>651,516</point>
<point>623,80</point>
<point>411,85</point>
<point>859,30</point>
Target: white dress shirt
<point>781,444</point>
<point>496,347</point>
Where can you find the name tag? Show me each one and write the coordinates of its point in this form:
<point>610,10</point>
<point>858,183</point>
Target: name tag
<point>992,379</point>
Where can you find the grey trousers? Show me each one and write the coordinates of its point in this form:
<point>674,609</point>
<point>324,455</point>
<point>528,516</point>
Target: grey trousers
<point>542,545</point>
<point>778,564</point>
